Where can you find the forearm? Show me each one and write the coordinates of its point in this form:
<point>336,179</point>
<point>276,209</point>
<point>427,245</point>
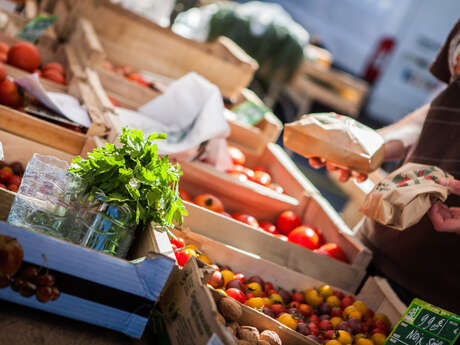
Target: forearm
<point>403,134</point>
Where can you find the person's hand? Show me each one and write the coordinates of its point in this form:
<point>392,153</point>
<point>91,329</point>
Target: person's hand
<point>444,218</point>
<point>344,173</point>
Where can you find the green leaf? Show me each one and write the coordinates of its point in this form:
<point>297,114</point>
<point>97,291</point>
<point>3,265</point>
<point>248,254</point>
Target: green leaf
<point>134,174</point>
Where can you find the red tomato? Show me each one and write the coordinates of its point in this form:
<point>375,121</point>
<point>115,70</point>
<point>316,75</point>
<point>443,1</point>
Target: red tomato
<point>246,218</point>
<point>238,174</point>
<point>181,257</point>
<point>320,235</point>
<point>333,251</point>
<point>268,227</point>
<point>178,242</point>
<point>240,277</point>
<point>267,287</point>
<point>276,187</point>
<point>304,236</point>
<point>210,202</point>
<point>184,195</point>
<point>261,177</point>
<point>287,221</point>
<point>248,172</point>
<point>236,155</point>
<point>278,308</point>
<point>282,237</point>
<point>236,294</point>
<point>226,214</point>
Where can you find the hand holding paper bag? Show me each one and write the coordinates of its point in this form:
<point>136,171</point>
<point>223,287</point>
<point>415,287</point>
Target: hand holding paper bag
<point>405,196</point>
<point>444,218</point>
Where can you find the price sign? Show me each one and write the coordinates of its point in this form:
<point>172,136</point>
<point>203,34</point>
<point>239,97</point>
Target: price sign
<point>36,27</point>
<point>425,324</point>
<point>250,113</point>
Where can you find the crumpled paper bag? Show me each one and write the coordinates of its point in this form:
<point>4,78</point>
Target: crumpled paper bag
<point>402,198</point>
<point>190,112</point>
<point>337,138</point>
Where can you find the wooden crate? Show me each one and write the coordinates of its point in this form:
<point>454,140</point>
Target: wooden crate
<point>282,169</point>
<point>82,82</point>
<point>130,39</point>
<point>21,149</point>
<point>255,138</point>
<point>376,292</point>
<point>338,90</point>
<point>307,203</point>
<point>132,96</point>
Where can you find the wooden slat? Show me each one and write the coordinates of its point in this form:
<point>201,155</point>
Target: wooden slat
<point>379,296</point>
<point>41,131</point>
<point>297,258</point>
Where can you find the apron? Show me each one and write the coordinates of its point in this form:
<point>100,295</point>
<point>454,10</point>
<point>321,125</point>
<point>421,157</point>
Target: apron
<point>419,259</point>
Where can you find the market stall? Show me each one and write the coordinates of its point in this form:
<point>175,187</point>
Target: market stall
<point>141,203</point>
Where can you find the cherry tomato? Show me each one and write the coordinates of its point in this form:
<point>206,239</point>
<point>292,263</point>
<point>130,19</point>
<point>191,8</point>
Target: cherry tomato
<point>210,202</point>
<point>268,227</point>
<point>226,214</point>
<point>246,218</point>
<point>261,177</point>
<point>178,242</point>
<point>333,251</point>
<point>184,195</point>
<point>238,174</point>
<point>236,294</point>
<point>240,277</point>
<point>181,257</point>
<point>262,169</point>
<point>287,221</point>
<point>282,237</point>
<point>237,156</point>
<point>276,187</point>
<point>248,172</point>
<point>304,236</point>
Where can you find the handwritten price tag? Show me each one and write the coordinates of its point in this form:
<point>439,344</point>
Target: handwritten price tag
<point>425,324</point>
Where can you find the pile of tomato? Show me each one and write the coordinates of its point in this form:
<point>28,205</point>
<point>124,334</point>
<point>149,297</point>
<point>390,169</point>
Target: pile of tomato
<point>324,314</point>
<point>287,227</point>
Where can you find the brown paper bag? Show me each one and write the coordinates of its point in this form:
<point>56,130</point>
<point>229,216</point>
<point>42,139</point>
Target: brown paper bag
<point>402,198</point>
<point>339,139</point>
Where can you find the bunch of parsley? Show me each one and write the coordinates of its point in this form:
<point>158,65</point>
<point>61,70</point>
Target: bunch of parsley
<point>134,174</point>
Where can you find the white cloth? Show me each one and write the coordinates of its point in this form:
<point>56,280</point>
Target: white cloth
<point>190,112</point>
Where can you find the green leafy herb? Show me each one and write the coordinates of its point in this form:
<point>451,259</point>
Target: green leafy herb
<point>134,174</point>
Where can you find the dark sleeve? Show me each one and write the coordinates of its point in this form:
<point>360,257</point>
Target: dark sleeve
<point>440,66</point>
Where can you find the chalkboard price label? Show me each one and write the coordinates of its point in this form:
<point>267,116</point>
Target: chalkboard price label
<point>425,324</point>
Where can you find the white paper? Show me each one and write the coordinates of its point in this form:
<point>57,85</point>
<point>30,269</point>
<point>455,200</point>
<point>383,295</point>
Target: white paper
<point>190,112</point>
<point>63,104</point>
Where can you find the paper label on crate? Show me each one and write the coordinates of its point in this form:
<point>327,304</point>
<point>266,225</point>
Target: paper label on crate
<point>65,105</point>
<point>425,324</point>
<point>215,340</point>
<point>36,27</point>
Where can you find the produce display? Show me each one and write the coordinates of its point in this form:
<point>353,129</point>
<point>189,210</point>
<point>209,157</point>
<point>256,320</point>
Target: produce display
<point>10,175</point>
<point>26,56</point>
<point>287,227</point>
<point>111,199</point>
<point>257,175</point>
<point>324,314</point>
